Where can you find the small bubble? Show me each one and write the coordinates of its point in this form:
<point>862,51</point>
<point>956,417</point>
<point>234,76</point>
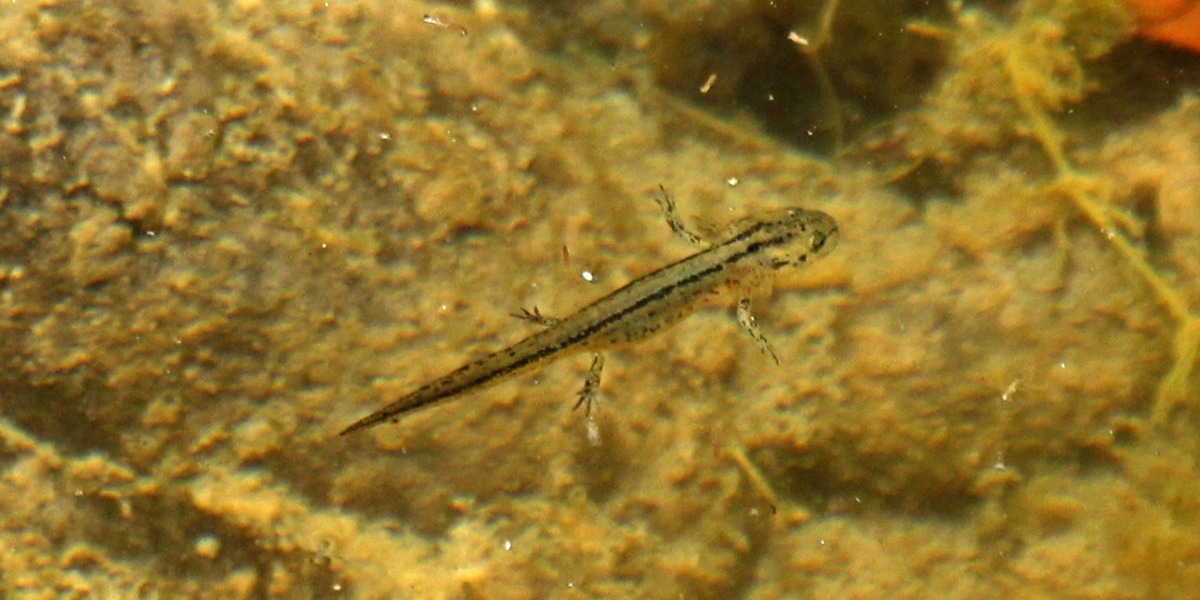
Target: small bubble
<point>593,433</point>
<point>207,546</point>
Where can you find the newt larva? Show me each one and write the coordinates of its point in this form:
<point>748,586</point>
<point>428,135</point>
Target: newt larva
<point>756,249</point>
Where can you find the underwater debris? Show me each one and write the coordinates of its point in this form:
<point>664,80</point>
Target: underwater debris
<point>1175,22</point>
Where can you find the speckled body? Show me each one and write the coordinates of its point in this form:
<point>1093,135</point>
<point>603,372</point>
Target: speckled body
<point>779,239</point>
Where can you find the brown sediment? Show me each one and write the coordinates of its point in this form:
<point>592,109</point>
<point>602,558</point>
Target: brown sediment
<point>226,232</point>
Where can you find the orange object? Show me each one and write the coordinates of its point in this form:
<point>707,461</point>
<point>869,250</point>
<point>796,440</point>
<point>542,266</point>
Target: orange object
<point>1175,22</point>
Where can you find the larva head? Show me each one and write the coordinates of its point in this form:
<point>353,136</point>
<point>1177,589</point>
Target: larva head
<point>792,237</point>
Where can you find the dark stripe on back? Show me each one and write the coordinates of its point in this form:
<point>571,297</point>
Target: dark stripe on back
<point>649,298</point>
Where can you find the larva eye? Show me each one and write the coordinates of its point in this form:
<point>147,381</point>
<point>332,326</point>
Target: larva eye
<point>818,241</point>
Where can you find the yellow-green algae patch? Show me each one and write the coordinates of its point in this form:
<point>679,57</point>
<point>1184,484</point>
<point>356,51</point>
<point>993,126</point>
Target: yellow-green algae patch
<point>225,231</point>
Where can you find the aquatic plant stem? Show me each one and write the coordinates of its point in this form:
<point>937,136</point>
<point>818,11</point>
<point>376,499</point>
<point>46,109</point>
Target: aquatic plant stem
<point>1173,388</point>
